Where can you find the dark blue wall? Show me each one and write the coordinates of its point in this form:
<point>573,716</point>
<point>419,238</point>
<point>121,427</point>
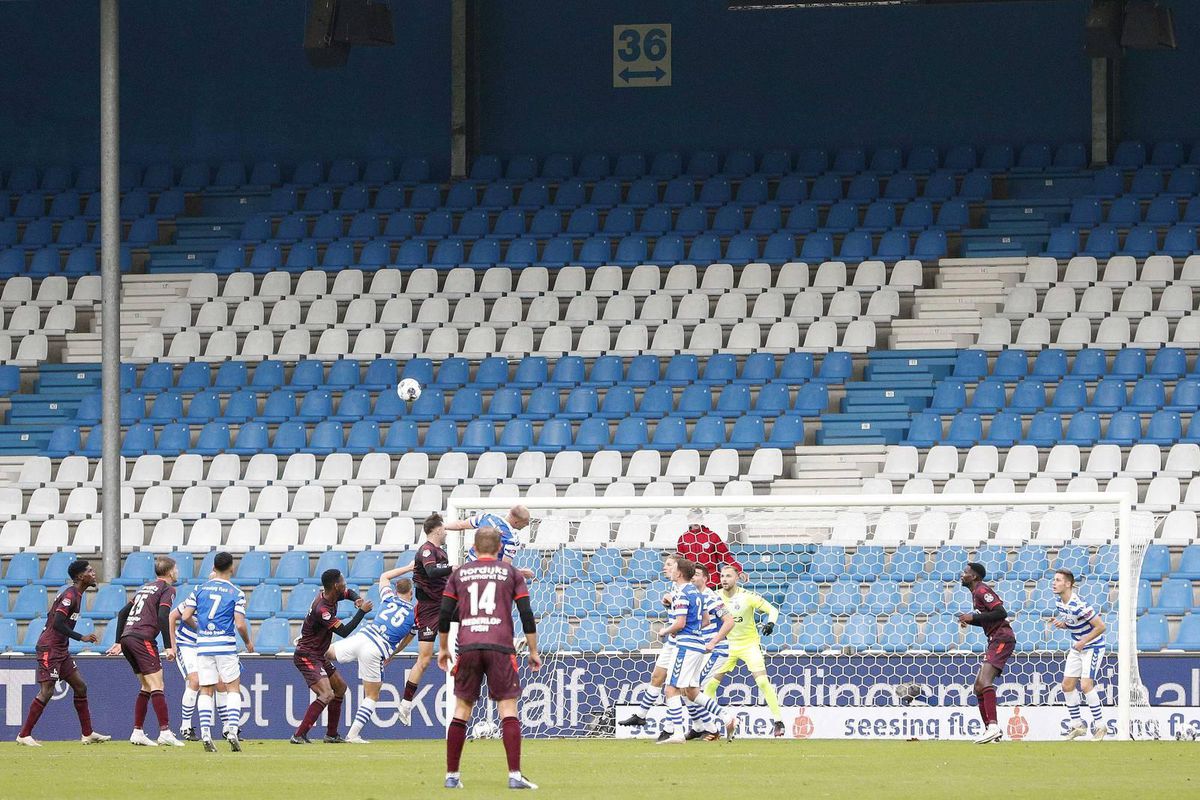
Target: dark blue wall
<point>940,75</point>
<point>219,79</point>
<point>1160,89</point>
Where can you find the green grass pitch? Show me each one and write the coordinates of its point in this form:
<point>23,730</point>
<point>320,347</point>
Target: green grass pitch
<point>743,770</point>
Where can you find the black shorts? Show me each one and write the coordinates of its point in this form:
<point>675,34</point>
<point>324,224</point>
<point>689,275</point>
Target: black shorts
<point>427,615</point>
<point>53,666</point>
<point>499,668</point>
<point>998,653</point>
<point>313,669</point>
<point>141,654</point>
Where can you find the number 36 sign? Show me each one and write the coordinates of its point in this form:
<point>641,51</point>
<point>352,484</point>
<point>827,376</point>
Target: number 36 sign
<point>641,55</point>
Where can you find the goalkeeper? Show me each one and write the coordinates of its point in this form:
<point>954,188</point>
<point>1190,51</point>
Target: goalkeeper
<point>744,641</point>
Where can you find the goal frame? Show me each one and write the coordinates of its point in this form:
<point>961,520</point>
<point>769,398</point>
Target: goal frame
<point>1120,502</point>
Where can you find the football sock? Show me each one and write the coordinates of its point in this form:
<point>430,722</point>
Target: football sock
<point>1093,701</point>
<point>410,690</point>
<point>701,719</point>
<point>139,709</point>
<point>335,716</point>
<point>366,709</point>
<point>231,712</point>
<point>676,717</point>
<point>84,713</point>
<point>768,693</point>
<point>650,697</point>
<point>512,742</point>
<point>35,712</point>
<point>310,717</point>
<point>456,737</point>
<point>159,700</point>
<point>204,705</point>
<point>189,707</point>
<point>1072,698</point>
<point>987,705</point>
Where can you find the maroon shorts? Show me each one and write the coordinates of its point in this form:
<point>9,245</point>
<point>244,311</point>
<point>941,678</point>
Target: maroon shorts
<point>53,666</point>
<point>500,669</point>
<point>998,653</point>
<point>429,612</point>
<point>141,654</point>
<point>313,669</point>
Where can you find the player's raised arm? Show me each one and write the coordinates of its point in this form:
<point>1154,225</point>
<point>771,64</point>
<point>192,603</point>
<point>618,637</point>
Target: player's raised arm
<point>386,578</point>
<point>460,525</point>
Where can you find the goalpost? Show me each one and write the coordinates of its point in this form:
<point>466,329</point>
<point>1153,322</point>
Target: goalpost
<point>865,587</point>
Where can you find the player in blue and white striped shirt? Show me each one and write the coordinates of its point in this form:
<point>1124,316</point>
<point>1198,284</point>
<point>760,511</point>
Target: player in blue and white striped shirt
<point>374,644</point>
<point>517,519</point>
<point>692,648</point>
<point>717,620</point>
<point>1073,614</point>
<point>219,610</point>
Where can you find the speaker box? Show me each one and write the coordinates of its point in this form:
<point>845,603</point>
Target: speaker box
<point>1148,26</point>
<point>1102,33</point>
<point>320,46</point>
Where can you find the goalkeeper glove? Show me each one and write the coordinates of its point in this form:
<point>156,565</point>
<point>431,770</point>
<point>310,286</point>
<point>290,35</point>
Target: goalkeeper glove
<point>768,628</point>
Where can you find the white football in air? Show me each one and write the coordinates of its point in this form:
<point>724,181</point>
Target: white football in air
<point>408,389</point>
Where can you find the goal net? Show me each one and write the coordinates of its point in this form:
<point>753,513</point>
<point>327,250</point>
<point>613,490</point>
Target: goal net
<point>866,643</point>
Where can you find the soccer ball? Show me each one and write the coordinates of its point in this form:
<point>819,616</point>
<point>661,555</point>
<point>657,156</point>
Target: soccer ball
<point>408,389</point>
<point>485,729</point>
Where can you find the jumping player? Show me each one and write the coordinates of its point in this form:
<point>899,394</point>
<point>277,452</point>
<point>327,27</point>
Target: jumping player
<point>311,654</point>
<point>990,615</point>
<point>517,519</point>
<point>481,594</point>
<point>143,619</point>
<point>384,636</point>
<point>658,676</point>
<point>430,570</point>
<point>54,657</point>
<point>1073,614</point>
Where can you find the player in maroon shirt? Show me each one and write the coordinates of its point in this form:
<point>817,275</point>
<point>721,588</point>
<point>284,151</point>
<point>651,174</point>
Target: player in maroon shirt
<point>54,656</point>
<point>430,570</point>
<point>143,619</point>
<point>480,594</point>
<point>310,657</point>
<point>990,615</point>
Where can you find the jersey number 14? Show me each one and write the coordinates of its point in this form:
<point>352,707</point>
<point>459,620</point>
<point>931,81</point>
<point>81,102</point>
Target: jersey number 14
<point>484,601</point>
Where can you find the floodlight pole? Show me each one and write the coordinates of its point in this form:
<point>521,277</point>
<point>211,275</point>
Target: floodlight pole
<point>110,277</point>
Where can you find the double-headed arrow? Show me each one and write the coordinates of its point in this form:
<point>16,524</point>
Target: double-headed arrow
<point>627,74</point>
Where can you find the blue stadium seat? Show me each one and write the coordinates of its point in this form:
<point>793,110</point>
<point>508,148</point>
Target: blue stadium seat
<point>300,596</point>
<point>925,430</point>
<point>1004,430</point>
<point>441,437</point>
<point>1152,633</point>
<point>1124,428</point>
<point>110,598</point>
<point>273,636</point>
<point>1174,597</point>
<point>137,569</point>
<point>34,630</point>
<point>787,431</point>
<point>1187,636</point>
<point>1180,240</point>
<point>1083,429</point>
<point>264,602</point>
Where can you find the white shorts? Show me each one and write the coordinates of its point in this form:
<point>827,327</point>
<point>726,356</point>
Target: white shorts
<point>715,662</point>
<point>363,650</point>
<point>1083,665</point>
<point>185,659</point>
<point>665,656</point>
<point>685,669</point>
<point>218,669</point>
